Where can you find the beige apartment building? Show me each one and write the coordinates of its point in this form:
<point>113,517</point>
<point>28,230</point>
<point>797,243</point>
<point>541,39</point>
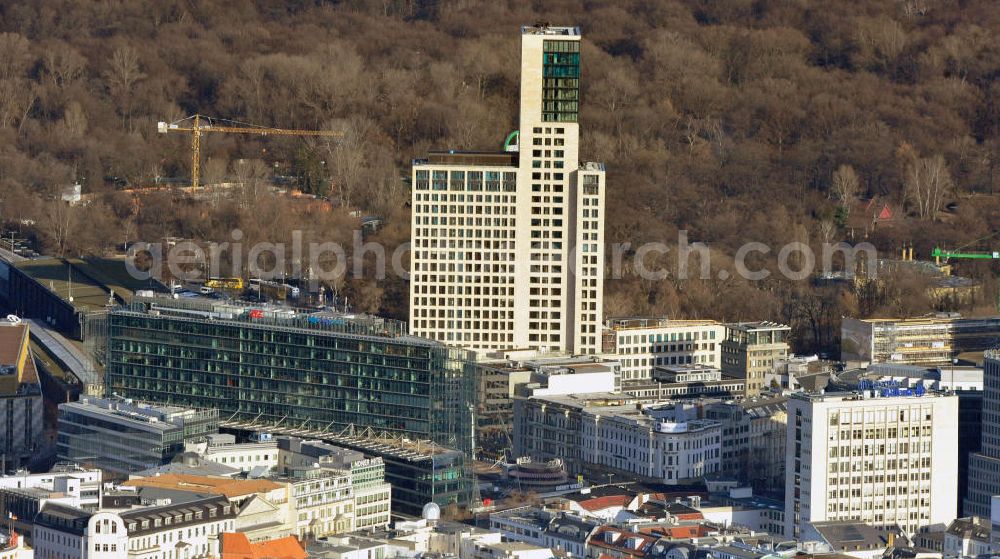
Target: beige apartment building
<point>751,349</point>
<point>508,246</point>
<point>642,344</point>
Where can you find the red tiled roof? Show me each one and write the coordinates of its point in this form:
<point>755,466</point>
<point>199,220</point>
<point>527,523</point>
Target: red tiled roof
<point>677,532</point>
<point>601,503</point>
<point>237,546</point>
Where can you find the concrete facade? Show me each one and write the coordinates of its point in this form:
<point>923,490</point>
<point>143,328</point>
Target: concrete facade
<point>508,247</point>
<point>880,460</point>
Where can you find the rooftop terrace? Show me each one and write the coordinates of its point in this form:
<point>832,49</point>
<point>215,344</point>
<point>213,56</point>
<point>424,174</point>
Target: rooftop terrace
<point>274,316</point>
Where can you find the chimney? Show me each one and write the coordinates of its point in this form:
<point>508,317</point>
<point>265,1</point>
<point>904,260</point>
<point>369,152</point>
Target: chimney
<point>892,538</point>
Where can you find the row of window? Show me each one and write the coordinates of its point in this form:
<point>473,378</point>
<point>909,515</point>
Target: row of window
<point>489,199</point>
<point>434,237</point>
<point>478,244</point>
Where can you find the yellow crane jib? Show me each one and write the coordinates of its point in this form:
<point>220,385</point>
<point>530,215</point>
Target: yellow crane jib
<point>198,124</point>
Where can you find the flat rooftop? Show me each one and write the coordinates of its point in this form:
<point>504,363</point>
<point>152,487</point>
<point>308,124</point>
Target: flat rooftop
<point>470,158</point>
<point>546,29</point>
<point>758,325</point>
<point>67,282</point>
<point>150,417</point>
<point>639,323</point>
<point>275,316</point>
<point>88,281</point>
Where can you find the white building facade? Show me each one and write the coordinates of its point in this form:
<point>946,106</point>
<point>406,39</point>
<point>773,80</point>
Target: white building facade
<point>180,531</point>
<point>508,247</point>
<point>652,443</point>
<point>641,344</point>
<point>882,460</point>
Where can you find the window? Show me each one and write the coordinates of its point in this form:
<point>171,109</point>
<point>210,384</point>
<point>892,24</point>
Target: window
<point>561,83</point>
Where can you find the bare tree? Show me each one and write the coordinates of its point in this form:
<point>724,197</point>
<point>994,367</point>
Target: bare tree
<point>928,184</point>
<point>845,185</point>
<point>15,55</point>
<point>253,73</point>
<point>347,157</point>
<point>63,65</point>
<point>827,229</point>
<point>881,40</point>
<point>74,122</point>
<point>59,222</point>
<point>214,170</point>
<point>251,175</point>
<point>121,76</point>
<point>17,94</point>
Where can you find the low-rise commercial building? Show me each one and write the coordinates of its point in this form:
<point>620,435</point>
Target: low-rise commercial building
<point>686,382</point>
<point>58,479</point>
<point>552,428</point>
<point>753,441</point>
<point>21,434</point>
<point>751,349</point>
<point>934,340</point>
<point>188,530</point>
<point>419,471</point>
<point>968,537</point>
<point>511,373</point>
<point>644,343</point>
<point>606,432</point>
<point>121,437</point>
<point>558,531</point>
<point>276,457</point>
<point>265,508</point>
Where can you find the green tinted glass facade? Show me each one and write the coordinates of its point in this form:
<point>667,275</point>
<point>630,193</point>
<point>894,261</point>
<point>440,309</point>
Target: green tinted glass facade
<point>561,75</point>
<point>294,373</point>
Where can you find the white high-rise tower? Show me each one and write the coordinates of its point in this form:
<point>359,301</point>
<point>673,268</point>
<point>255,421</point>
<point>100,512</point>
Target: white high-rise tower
<point>508,247</point>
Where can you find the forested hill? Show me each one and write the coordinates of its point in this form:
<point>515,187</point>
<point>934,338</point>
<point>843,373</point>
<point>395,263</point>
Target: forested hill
<point>736,120</point>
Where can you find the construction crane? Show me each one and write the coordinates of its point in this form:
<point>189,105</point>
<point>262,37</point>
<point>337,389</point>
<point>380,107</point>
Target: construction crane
<point>939,253</point>
<point>200,124</point>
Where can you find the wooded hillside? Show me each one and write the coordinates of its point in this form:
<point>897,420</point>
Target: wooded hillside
<point>736,120</point>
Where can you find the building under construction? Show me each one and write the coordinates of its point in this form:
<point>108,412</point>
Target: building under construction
<point>934,340</point>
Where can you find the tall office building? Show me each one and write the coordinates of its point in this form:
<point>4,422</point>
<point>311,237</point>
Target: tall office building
<point>871,456</point>
<point>984,466</point>
<point>508,247</point>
